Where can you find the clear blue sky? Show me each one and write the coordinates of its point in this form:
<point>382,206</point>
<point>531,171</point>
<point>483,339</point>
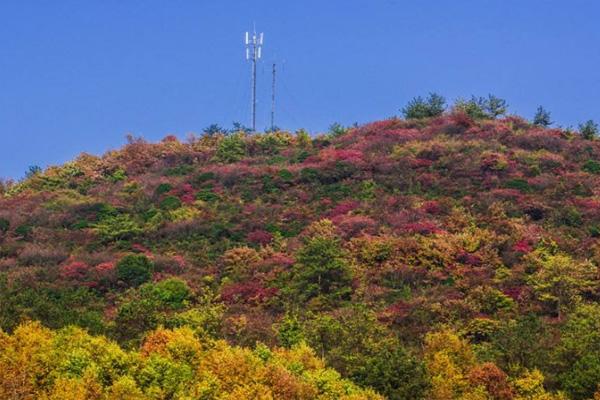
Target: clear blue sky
<point>78,75</point>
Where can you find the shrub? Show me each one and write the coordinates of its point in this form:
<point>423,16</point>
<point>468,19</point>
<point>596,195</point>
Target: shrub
<point>285,175</point>
<point>4,225</point>
<point>518,184</point>
<point>260,237</point>
<point>76,270</point>
<point>569,216</point>
<point>309,174</point>
<point>118,227</point>
<point>184,214</point>
<point>170,203</point>
<point>179,170</point>
<point>134,269</point>
<point>198,180</point>
<point>591,166</point>
<point>251,292</point>
<point>163,188</point>
<point>24,231</point>
<point>173,293</point>
<point>117,176</point>
<point>207,195</point>
<point>37,254</point>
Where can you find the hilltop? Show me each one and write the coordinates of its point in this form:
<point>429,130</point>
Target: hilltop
<point>440,257</point>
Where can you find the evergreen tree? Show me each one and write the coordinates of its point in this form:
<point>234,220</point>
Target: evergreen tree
<point>542,117</point>
<point>481,107</point>
<point>134,269</point>
<point>213,129</point>
<point>322,273</point>
<point>589,130</point>
<point>419,108</point>
<point>495,106</point>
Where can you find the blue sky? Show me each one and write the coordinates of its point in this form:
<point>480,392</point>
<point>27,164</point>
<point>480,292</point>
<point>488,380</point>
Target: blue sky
<point>79,75</point>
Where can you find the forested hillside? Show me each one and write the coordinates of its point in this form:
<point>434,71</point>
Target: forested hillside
<point>440,257</point>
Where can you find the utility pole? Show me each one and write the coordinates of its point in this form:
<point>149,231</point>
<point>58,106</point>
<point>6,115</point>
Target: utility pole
<point>253,53</point>
<point>273,100</point>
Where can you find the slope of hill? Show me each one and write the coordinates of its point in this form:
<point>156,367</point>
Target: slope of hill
<point>439,258</point>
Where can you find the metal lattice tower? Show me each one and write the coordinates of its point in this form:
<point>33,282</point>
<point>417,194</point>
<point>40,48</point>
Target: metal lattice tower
<point>253,53</point>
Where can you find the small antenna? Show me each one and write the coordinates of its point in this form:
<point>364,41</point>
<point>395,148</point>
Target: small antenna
<point>253,54</point>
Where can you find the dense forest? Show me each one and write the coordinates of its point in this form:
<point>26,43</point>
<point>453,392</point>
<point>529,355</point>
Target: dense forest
<point>447,255</point>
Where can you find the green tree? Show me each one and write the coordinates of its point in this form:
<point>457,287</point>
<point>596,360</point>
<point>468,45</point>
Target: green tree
<point>575,358</point>
<point>321,272</point>
<point>495,106</point>
<point>239,127</point>
<point>474,107</point>
<point>32,171</point>
<point>337,129</point>
<point>170,203</point>
<point>520,343</point>
<point>355,343</point>
<point>419,108</point>
<point>144,308</point>
<point>542,117</point>
<point>560,280</point>
<point>289,332</point>
<point>134,269</point>
<point>173,293</point>
<point>489,107</point>
<point>589,130</point>
<point>591,166</point>
<point>117,227</point>
<point>231,148</point>
<point>4,225</point>
<point>393,372</point>
<point>54,307</point>
<point>213,129</point>
<point>582,380</point>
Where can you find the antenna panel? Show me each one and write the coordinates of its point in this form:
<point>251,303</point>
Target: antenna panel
<point>246,38</point>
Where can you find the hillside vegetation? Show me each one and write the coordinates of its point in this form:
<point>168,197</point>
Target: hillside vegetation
<point>447,256</point>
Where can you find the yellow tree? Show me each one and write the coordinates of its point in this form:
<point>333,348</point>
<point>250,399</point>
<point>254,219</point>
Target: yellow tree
<point>24,361</point>
<point>448,359</point>
<point>560,280</point>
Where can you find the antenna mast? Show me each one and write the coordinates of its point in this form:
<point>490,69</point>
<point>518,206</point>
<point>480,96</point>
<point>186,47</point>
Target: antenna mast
<point>253,54</point>
<point>273,100</point>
